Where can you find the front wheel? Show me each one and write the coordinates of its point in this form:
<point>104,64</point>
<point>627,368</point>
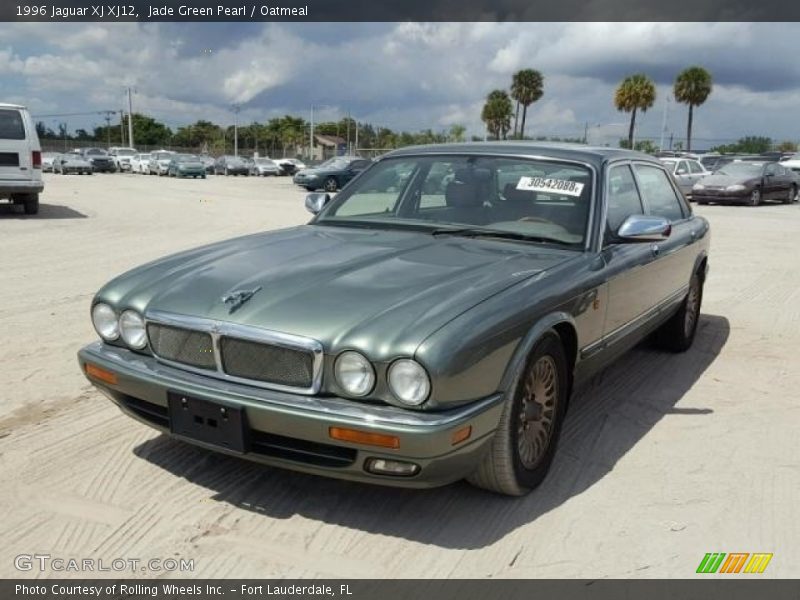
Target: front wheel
<point>755,197</point>
<point>677,334</point>
<point>525,441</point>
<point>792,195</point>
<point>331,185</point>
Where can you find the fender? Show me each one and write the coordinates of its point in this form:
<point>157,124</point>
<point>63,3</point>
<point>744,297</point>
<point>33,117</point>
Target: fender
<point>508,383</point>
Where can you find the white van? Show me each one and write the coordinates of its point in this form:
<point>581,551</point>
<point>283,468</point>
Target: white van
<point>20,158</point>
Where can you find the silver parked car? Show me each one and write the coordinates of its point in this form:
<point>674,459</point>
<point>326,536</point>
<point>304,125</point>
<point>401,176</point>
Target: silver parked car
<point>72,163</point>
<point>263,167</point>
<point>686,172</point>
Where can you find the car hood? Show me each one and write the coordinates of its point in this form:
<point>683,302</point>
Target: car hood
<point>722,180</point>
<point>382,292</point>
<point>191,164</point>
<point>77,162</point>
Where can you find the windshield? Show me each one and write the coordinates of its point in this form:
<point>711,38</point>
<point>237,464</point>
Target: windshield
<point>741,169</point>
<point>125,152</point>
<point>264,161</point>
<point>536,199</point>
<point>184,157</point>
<point>334,163</point>
<point>163,155</point>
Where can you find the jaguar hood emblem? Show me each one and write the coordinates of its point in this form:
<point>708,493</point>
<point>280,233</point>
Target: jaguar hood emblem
<point>236,298</point>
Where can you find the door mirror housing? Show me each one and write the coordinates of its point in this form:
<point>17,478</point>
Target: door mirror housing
<point>316,201</point>
<point>680,172</point>
<point>644,228</point>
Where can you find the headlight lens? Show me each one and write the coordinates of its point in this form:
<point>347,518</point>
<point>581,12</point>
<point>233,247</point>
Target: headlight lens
<point>131,328</point>
<point>105,322</point>
<point>354,373</point>
<point>698,186</point>
<point>738,187</point>
<point>409,382</point>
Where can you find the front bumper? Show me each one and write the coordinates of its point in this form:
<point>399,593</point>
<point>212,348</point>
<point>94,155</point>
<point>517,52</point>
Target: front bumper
<point>720,196</point>
<point>292,431</point>
<point>199,172</point>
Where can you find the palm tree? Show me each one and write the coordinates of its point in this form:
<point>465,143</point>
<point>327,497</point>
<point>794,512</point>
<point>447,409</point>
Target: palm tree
<point>636,92</point>
<point>456,133</point>
<point>527,86</point>
<point>496,113</point>
<point>692,87</point>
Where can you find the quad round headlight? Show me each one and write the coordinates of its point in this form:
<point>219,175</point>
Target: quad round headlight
<point>354,373</point>
<point>105,322</point>
<point>132,330</point>
<point>409,382</point>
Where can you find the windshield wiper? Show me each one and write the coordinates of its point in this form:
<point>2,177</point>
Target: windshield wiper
<point>496,233</point>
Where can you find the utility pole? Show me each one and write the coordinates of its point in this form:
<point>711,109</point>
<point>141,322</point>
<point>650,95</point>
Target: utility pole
<point>348,132</point>
<point>236,108</point>
<point>130,117</point>
<point>356,148</point>
<point>664,124</point>
<point>311,136</point>
<point>108,114</point>
<point>122,126</point>
<point>586,133</point>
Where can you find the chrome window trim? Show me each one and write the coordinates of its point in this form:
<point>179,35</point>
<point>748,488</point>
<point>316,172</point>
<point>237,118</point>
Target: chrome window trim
<point>219,329</point>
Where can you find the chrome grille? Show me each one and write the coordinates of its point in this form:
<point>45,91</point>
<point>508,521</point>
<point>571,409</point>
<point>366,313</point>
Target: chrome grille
<point>237,353</point>
<point>194,348</point>
<point>263,362</point>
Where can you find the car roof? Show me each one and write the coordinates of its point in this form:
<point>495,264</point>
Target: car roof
<point>595,155</point>
<point>8,105</point>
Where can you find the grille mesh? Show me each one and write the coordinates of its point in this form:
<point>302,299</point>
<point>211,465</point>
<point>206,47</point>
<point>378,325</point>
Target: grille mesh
<point>263,362</point>
<point>193,348</point>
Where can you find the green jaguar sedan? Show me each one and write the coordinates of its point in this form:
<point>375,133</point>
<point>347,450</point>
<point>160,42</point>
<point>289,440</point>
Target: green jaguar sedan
<point>428,324</point>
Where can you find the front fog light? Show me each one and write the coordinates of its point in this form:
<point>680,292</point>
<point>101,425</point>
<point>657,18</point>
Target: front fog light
<point>354,373</point>
<point>105,323</point>
<point>383,466</point>
<point>409,382</point>
<point>131,328</point>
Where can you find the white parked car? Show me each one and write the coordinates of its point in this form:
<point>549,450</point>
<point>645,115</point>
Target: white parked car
<point>290,166</point>
<point>122,157</point>
<point>687,172</point>
<point>20,158</point>
<point>159,162</point>
<point>140,163</point>
<point>47,161</point>
<point>793,163</point>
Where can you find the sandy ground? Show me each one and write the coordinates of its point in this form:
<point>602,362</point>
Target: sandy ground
<point>663,459</point>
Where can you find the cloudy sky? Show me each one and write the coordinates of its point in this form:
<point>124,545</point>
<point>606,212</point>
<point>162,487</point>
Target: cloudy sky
<point>407,75</point>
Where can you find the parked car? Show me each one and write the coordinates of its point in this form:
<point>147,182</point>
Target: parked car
<point>47,161</point>
<point>410,338</point>
<point>72,162</point>
<point>332,174</point>
<point>712,162</point>
<point>186,165</point>
<point>290,166</point>
<point>140,163</point>
<point>122,158</point>
<point>792,162</point>
<point>745,182</point>
<point>264,167</point>
<point>231,165</point>
<point>20,158</point>
<point>159,162</point>
<point>686,172</point>
<point>100,160</point>
<point>208,163</point>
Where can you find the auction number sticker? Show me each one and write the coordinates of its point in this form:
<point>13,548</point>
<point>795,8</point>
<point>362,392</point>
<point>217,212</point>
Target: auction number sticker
<point>546,184</point>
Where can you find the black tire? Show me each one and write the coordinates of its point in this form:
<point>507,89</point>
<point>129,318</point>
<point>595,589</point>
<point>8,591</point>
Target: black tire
<point>702,202</point>
<point>310,188</point>
<point>331,185</point>
<point>792,195</point>
<point>31,204</point>
<point>755,197</point>
<point>203,176</point>
<point>503,468</point>
<point>226,173</point>
<point>677,334</point>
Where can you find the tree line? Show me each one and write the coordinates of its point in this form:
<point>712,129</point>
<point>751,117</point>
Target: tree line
<point>280,136</point>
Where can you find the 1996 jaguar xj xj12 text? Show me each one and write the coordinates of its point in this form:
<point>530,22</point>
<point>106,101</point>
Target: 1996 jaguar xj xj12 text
<point>428,324</point>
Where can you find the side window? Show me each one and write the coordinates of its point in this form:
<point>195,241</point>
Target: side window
<point>623,198</point>
<point>772,169</point>
<point>658,193</point>
<point>434,185</point>
<point>695,167</point>
<point>682,169</point>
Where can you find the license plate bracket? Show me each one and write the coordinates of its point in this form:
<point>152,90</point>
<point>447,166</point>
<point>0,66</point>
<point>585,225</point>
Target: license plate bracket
<point>209,422</point>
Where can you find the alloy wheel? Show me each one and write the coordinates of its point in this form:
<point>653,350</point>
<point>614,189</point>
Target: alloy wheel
<point>537,412</point>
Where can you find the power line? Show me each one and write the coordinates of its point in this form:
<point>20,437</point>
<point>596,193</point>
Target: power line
<point>75,114</point>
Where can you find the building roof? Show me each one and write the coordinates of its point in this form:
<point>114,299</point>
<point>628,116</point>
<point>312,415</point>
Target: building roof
<point>329,140</point>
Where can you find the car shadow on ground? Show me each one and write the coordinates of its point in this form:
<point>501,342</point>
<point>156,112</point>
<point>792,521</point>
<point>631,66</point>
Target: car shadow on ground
<point>46,211</point>
<point>605,420</point>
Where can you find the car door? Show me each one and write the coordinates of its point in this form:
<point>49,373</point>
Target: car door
<point>786,182</point>
<point>673,258</point>
<point>772,187</point>
<point>628,265</point>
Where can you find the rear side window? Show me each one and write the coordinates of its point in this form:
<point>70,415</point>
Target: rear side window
<point>660,196</point>
<point>11,125</point>
<point>695,167</point>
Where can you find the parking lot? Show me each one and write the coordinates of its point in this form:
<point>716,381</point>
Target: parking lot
<point>663,458</point>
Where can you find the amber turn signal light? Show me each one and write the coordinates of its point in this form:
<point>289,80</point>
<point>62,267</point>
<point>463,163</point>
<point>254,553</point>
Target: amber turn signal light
<point>461,435</point>
<point>96,372</point>
<point>364,437</point>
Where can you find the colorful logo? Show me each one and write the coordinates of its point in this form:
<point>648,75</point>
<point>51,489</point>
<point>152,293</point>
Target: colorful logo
<point>735,562</point>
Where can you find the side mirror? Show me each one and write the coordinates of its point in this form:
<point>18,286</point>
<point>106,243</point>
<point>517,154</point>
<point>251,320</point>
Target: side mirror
<point>316,201</point>
<point>643,228</point>
<point>680,172</point>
